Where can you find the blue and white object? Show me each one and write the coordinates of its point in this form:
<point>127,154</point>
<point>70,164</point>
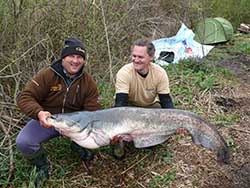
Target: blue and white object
<point>180,46</point>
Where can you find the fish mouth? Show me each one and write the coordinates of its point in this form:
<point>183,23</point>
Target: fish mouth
<point>52,117</point>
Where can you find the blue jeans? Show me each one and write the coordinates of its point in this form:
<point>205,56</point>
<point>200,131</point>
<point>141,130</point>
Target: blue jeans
<point>31,137</point>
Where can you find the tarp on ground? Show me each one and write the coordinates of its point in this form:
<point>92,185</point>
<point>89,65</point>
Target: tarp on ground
<point>213,30</point>
<point>180,46</point>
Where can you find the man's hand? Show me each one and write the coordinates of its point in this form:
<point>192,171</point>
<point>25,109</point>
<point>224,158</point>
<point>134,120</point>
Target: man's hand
<point>42,116</point>
<point>182,131</point>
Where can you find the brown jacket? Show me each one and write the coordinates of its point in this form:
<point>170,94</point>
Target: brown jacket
<point>48,91</point>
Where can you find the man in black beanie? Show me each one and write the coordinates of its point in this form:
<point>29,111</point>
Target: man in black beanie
<point>73,46</point>
<point>60,88</point>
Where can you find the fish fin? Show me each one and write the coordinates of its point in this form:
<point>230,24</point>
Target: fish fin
<point>147,141</point>
<point>100,137</point>
<point>223,154</point>
<point>203,140</point>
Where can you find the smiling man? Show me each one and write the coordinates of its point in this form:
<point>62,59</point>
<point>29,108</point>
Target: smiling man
<point>142,83</point>
<point>62,87</point>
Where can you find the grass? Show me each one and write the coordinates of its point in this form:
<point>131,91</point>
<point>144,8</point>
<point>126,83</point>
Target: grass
<point>231,144</point>
<point>189,80</point>
<point>242,44</point>
<point>167,157</point>
<point>160,181</point>
<point>226,119</point>
<point>106,91</point>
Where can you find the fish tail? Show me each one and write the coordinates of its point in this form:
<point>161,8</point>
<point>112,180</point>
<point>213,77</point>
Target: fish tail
<point>210,142</point>
<point>223,155</point>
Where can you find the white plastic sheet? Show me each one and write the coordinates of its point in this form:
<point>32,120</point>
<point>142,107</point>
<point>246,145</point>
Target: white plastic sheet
<point>180,46</point>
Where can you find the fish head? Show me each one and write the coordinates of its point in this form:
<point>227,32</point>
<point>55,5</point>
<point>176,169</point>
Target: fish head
<point>63,123</point>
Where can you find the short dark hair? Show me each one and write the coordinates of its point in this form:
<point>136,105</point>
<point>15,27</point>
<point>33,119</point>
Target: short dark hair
<point>144,42</point>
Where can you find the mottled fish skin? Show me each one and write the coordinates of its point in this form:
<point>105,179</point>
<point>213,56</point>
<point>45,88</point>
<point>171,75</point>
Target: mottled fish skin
<point>146,127</point>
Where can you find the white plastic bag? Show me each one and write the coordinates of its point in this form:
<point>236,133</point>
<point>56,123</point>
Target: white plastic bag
<point>180,46</point>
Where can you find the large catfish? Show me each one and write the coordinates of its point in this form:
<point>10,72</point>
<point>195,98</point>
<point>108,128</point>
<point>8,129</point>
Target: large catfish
<point>145,127</point>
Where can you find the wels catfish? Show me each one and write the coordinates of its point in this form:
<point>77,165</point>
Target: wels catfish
<point>145,127</point>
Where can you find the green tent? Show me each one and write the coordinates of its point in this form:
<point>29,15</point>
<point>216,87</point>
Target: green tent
<point>213,30</point>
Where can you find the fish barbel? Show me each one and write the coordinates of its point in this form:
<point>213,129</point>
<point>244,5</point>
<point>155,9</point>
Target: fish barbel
<point>145,127</point>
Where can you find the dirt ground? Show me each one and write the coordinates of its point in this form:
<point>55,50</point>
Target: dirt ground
<point>235,99</point>
<point>195,167</point>
<point>238,100</point>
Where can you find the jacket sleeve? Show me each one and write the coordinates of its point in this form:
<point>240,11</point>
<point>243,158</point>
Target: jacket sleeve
<point>166,101</point>
<point>92,96</point>
<point>34,92</point>
<point>121,99</point>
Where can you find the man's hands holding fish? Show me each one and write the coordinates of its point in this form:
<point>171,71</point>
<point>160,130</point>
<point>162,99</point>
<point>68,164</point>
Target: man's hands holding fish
<point>42,116</point>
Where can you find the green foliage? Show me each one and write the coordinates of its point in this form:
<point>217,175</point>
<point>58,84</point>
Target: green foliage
<point>244,47</point>
<point>107,92</point>
<point>24,172</point>
<point>160,181</point>
<point>226,119</point>
<point>231,143</point>
<point>167,157</point>
<point>59,150</point>
<point>192,77</point>
<point>33,176</point>
<point>235,11</point>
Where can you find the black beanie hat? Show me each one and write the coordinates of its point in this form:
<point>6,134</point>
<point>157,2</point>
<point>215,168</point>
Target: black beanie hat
<point>73,46</point>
